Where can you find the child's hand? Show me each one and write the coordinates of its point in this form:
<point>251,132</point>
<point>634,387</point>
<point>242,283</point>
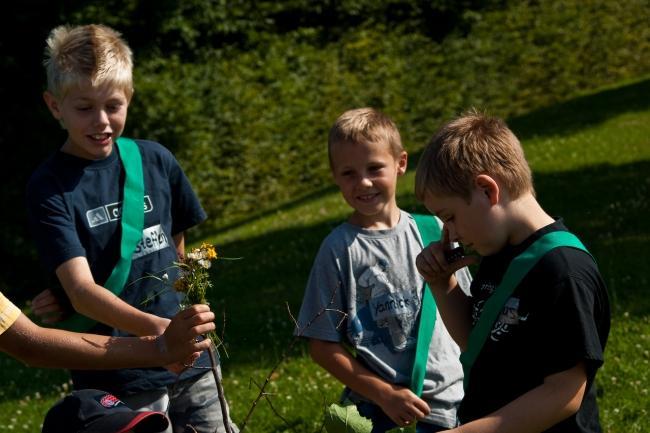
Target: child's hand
<point>435,268</point>
<point>402,406</point>
<point>178,343</point>
<point>46,307</point>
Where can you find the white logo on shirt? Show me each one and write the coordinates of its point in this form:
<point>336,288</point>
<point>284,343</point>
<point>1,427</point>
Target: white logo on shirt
<point>111,212</point>
<point>507,320</point>
<point>389,308</point>
<point>153,239</point>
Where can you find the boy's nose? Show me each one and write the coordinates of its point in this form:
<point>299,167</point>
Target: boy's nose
<point>365,181</point>
<point>451,232</point>
<point>101,118</point>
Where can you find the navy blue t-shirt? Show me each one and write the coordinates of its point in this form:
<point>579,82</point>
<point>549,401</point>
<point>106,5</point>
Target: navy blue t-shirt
<point>74,207</point>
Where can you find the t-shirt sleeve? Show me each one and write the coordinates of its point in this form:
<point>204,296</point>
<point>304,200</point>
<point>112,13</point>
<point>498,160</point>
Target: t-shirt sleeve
<point>52,225</point>
<point>579,325</point>
<point>186,208</point>
<point>8,313</point>
<point>321,314</point>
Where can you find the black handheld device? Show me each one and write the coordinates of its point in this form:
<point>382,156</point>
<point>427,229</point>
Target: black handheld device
<point>454,253</point>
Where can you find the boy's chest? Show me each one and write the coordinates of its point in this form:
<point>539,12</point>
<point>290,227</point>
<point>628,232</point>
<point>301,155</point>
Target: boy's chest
<point>517,315</point>
<point>512,318</point>
<point>96,206</point>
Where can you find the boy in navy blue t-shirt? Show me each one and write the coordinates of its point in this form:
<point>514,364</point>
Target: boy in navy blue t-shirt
<point>75,200</point>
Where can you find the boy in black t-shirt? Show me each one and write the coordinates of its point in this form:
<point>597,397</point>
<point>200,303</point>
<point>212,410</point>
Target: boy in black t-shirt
<point>535,371</point>
<point>75,201</point>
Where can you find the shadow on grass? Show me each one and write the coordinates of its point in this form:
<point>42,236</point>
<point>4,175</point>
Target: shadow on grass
<point>607,206</point>
<point>573,115</point>
<point>199,233</point>
<point>583,111</point>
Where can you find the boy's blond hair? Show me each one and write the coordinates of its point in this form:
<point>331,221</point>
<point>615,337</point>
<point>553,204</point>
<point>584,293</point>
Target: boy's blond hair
<point>93,53</point>
<point>365,125</point>
<point>469,145</point>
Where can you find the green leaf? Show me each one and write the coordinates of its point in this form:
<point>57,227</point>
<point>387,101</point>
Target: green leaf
<point>409,429</point>
<point>346,419</point>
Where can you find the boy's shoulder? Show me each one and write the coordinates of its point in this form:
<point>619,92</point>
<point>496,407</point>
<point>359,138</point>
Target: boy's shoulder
<point>339,236</point>
<point>60,167</point>
<point>565,262</point>
<point>345,234</point>
<point>150,147</point>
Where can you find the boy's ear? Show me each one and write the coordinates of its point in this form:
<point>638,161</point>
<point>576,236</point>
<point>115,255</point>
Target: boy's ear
<point>488,186</point>
<point>53,104</point>
<point>402,163</point>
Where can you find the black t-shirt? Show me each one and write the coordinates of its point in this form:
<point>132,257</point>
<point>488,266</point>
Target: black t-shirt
<point>557,316</point>
<point>74,207</point>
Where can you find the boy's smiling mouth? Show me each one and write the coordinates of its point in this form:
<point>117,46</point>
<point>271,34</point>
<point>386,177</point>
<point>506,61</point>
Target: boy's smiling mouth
<point>367,197</point>
<point>101,137</point>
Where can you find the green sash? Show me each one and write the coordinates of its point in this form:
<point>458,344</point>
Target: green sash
<point>345,417</point>
<point>429,232</point>
<point>517,270</point>
<point>132,225</point>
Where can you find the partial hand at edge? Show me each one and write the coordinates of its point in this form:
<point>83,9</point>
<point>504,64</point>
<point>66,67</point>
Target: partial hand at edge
<point>47,308</point>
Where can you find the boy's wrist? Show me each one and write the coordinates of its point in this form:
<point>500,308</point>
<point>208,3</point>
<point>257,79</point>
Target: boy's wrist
<point>382,393</point>
<point>443,287</point>
<point>157,325</point>
<point>161,346</point>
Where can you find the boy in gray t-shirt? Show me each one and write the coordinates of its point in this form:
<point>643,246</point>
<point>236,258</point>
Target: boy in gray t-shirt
<point>365,277</point>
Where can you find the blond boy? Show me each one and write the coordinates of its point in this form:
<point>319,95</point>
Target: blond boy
<point>535,371</point>
<point>74,205</point>
<point>365,273</point>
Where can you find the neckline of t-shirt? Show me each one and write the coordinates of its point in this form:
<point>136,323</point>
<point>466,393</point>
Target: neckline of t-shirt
<point>511,251</point>
<point>381,233</point>
<point>89,163</point>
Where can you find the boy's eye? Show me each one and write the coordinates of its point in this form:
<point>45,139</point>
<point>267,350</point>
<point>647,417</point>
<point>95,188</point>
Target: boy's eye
<point>83,108</point>
<point>114,108</point>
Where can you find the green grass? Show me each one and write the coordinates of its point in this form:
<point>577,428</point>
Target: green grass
<point>591,162</point>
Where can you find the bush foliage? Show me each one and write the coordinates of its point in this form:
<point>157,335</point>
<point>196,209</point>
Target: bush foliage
<point>244,92</point>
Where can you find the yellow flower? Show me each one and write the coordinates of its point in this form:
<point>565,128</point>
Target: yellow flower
<point>211,253</point>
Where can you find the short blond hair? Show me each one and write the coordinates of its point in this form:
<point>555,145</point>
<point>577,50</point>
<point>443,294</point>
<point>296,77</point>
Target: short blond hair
<point>92,52</point>
<point>365,125</point>
<point>466,147</point>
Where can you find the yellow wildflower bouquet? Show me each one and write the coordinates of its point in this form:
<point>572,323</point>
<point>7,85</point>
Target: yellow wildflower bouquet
<point>194,278</point>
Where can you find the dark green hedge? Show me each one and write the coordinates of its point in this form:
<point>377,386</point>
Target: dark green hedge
<point>249,125</point>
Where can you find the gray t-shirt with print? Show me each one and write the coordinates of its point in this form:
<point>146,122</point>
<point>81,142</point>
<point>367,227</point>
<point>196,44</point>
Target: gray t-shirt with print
<point>370,275</point>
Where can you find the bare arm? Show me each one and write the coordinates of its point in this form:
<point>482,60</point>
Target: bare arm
<point>47,307</point>
<point>559,397</point>
<point>100,304</point>
<point>454,305</point>
<point>179,243</point>
<point>398,402</point>
<point>46,347</point>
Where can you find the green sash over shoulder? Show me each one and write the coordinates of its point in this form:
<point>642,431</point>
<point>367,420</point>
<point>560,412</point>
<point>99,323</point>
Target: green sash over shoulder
<point>429,232</point>
<point>132,225</point>
<point>345,417</point>
<point>517,270</point>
